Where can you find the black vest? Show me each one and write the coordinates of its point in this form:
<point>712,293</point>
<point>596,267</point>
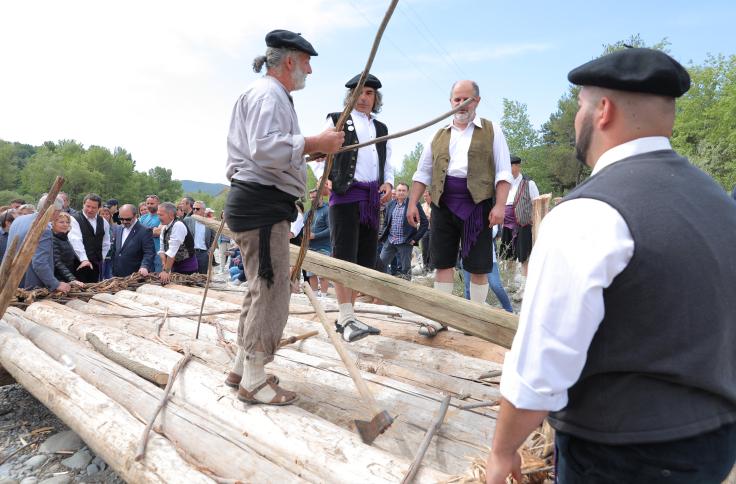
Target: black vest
<point>343,164</point>
<point>186,250</point>
<point>662,365</point>
<point>92,240</point>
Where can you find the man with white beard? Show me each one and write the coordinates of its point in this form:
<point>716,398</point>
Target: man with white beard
<point>467,167</point>
<point>267,171</point>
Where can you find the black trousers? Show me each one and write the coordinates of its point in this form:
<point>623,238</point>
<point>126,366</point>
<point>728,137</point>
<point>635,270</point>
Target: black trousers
<point>352,241</point>
<point>202,260</point>
<point>704,458</point>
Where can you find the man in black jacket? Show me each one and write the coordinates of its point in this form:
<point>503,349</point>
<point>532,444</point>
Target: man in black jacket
<point>134,250</point>
<point>398,236</point>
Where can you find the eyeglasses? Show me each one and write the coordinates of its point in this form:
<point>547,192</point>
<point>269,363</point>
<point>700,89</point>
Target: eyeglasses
<point>125,219</point>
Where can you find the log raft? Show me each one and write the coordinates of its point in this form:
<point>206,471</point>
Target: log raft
<point>217,437</point>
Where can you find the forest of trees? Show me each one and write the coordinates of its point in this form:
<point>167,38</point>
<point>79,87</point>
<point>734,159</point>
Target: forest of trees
<point>705,132</point>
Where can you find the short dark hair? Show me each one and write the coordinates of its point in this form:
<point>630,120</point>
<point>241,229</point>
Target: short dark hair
<point>18,200</point>
<point>94,197</point>
<point>7,216</point>
<point>402,183</point>
<point>189,200</point>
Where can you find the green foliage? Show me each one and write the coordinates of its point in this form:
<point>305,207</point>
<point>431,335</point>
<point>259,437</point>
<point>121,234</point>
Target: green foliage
<point>705,127</point>
<point>519,132</point>
<point>32,170</point>
<point>409,165</point>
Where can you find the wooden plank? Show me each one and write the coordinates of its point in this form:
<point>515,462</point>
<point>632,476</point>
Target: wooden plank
<point>540,208</point>
<point>491,324</point>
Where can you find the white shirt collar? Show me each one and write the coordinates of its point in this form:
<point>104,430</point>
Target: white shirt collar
<point>631,148</point>
<point>476,121</point>
<point>355,112</point>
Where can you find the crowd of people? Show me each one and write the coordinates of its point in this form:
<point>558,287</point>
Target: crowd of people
<point>104,240</point>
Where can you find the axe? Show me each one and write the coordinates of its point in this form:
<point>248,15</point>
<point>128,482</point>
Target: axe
<point>370,429</point>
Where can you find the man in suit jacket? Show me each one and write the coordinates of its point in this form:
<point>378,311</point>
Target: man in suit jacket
<point>134,251</point>
<point>398,235</point>
<point>40,272</point>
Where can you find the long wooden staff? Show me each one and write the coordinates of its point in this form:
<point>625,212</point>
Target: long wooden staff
<point>338,126</point>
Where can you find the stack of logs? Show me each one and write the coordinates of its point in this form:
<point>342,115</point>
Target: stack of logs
<point>203,432</point>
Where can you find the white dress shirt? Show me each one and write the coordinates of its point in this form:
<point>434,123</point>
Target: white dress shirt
<point>459,144</point>
<point>199,242</point>
<point>583,245</point>
<point>533,190</point>
<point>297,225</point>
<point>75,237</point>
<point>366,165</point>
<point>126,232</point>
<point>178,234</point>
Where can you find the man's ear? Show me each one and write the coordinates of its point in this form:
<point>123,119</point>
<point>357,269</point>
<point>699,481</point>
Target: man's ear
<point>605,112</point>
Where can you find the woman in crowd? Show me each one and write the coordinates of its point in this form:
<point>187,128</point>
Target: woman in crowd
<point>6,219</point>
<point>142,209</point>
<point>65,260</point>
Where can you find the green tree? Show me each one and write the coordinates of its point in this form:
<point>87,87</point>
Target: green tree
<point>516,126</point>
<point>705,126</point>
<point>409,165</point>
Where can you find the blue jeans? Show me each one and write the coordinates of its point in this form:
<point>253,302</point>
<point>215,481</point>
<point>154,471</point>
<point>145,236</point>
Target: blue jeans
<point>494,280</point>
<point>403,251</point>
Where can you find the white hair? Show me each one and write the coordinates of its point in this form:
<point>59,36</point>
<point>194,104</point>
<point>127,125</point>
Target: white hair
<point>58,203</point>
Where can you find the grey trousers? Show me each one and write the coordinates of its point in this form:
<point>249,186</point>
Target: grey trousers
<point>265,310</point>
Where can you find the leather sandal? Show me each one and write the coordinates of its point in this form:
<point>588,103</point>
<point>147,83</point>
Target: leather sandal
<point>430,330</point>
<point>281,397</point>
<point>233,379</point>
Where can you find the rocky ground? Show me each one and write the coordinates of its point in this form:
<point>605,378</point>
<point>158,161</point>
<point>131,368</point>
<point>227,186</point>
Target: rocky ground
<point>36,447</point>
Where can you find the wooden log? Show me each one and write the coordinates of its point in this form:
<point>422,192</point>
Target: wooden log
<point>189,429</point>
<point>103,424</point>
<point>399,328</point>
<point>325,391</point>
<point>540,208</point>
<point>494,325</point>
<point>288,436</point>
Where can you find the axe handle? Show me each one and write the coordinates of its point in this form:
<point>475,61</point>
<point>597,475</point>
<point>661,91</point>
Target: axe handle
<point>365,393</point>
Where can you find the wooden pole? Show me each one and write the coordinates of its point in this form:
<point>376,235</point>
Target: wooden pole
<point>22,259</point>
<point>210,251</point>
<point>483,321</point>
<point>540,208</point>
<point>414,467</point>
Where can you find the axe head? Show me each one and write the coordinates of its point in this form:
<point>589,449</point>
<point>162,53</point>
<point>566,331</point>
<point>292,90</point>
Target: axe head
<point>370,430</point>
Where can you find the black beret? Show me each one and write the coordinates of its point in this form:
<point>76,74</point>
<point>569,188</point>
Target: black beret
<point>370,81</point>
<point>515,160</point>
<point>288,39</point>
<point>636,70</point>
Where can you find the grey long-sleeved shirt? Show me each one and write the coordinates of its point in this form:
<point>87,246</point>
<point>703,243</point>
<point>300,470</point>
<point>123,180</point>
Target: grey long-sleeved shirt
<point>264,144</point>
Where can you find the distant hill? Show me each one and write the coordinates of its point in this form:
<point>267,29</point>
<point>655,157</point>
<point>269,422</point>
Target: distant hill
<point>191,186</point>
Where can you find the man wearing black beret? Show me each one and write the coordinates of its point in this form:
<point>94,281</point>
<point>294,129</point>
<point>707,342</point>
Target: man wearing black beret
<point>632,360</point>
<point>267,171</point>
<point>362,180</point>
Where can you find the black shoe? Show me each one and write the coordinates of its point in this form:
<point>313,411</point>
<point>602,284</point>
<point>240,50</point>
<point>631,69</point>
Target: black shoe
<point>354,329</point>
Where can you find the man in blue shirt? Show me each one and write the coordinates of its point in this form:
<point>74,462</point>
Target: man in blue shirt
<point>152,221</point>
<point>400,237</point>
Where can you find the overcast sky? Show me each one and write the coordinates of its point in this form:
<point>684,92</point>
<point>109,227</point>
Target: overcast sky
<point>159,78</point>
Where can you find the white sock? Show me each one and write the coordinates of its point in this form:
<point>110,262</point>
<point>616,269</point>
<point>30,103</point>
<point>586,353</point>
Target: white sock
<point>238,363</point>
<point>255,372</point>
<point>478,292</point>
<point>346,312</point>
<point>445,287</point>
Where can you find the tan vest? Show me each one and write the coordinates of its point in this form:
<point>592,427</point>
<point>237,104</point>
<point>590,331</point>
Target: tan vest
<point>481,165</point>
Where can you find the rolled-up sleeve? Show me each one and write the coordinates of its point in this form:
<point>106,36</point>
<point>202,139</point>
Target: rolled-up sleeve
<point>178,234</point>
<point>501,156</point>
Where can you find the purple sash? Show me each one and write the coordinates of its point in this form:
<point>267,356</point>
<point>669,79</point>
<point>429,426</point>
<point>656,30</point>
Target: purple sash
<point>458,199</point>
<point>509,221</point>
<point>368,197</point>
